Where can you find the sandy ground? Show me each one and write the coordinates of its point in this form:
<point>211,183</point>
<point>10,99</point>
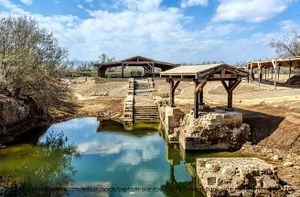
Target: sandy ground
<point>103,97</point>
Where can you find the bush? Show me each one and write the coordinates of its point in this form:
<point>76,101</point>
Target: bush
<point>30,62</point>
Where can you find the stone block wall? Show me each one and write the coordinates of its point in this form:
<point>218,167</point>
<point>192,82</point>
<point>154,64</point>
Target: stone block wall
<point>151,84</point>
<point>238,177</point>
<point>213,131</point>
<point>129,104</point>
<point>171,118</point>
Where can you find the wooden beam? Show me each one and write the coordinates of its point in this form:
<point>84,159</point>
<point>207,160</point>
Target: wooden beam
<point>176,85</point>
<point>201,85</point>
<point>235,84</point>
<point>229,88</point>
<point>225,85</point>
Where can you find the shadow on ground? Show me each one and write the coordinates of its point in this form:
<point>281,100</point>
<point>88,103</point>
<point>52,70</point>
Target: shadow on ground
<point>262,125</point>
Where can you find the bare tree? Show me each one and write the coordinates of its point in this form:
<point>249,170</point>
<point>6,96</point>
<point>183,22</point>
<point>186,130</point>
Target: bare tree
<point>30,62</point>
<point>103,58</point>
<point>288,45</point>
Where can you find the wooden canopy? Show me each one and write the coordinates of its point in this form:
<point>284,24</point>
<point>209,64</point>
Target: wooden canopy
<point>147,63</point>
<point>273,65</point>
<point>284,62</point>
<point>200,75</point>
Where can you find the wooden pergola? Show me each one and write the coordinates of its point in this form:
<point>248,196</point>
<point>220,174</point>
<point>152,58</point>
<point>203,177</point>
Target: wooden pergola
<point>137,61</point>
<point>272,66</point>
<point>200,75</point>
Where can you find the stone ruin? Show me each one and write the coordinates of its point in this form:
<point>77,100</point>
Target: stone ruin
<point>239,177</point>
<point>212,131</point>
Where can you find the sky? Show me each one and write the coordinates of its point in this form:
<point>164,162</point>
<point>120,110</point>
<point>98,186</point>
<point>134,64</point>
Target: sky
<point>177,31</point>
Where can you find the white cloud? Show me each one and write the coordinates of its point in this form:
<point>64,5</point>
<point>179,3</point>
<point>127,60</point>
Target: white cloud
<point>191,3</point>
<point>250,11</point>
<point>27,2</point>
<point>146,28</point>
<point>146,176</point>
<point>289,25</point>
<point>12,8</point>
<point>96,147</point>
<point>142,5</point>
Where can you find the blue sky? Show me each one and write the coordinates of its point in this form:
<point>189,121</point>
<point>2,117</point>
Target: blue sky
<point>179,31</point>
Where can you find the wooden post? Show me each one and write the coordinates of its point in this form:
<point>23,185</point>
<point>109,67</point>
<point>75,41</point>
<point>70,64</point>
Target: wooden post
<point>275,74</point>
<point>171,93</point>
<point>201,97</point>
<point>153,70</point>
<point>229,88</point>
<point>196,101</point>
<point>229,101</point>
<point>272,71</point>
<point>290,70</point>
<point>259,74</point>
<point>265,74</point>
<point>278,72</point>
<point>122,70</point>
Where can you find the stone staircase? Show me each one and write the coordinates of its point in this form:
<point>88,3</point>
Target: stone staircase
<point>144,106</point>
<point>146,113</point>
<point>141,87</point>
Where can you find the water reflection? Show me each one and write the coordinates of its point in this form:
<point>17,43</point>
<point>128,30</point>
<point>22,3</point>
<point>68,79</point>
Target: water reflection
<point>32,170</point>
<point>109,157</point>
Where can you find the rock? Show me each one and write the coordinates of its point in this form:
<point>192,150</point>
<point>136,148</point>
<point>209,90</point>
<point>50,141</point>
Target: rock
<point>276,158</point>
<point>238,177</point>
<point>211,180</point>
<point>288,164</point>
<point>213,131</point>
<point>269,183</point>
<point>228,171</point>
<point>2,146</point>
<point>216,168</point>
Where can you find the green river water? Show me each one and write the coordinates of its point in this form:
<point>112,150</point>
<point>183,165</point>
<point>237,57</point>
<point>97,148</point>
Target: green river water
<point>86,157</point>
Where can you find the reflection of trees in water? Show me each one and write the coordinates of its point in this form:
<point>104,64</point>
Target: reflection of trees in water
<point>47,165</point>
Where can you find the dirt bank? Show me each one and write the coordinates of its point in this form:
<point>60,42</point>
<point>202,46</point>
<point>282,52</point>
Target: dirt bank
<point>103,97</point>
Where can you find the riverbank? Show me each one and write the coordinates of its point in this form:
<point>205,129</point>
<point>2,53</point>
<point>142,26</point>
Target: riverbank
<point>103,98</point>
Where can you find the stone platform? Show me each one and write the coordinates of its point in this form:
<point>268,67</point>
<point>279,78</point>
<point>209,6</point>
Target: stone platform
<point>238,177</point>
<point>213,131</point>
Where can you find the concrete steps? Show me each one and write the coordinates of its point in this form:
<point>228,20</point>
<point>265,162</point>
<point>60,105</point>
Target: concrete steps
<point>141,87</point>
<point>146,113</point>
<point>144,107</point>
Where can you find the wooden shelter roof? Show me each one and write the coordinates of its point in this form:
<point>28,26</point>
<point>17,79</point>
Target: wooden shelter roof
<point>138,61</point>
<point>207,70</point>
<point>285,62</point>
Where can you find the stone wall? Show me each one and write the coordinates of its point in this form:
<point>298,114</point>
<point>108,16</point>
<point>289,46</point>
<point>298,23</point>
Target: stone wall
<point>151,84</point>
<point>239,177</point>
<point>171,118</point>
<point>128,105</point>
<point>213,131</point>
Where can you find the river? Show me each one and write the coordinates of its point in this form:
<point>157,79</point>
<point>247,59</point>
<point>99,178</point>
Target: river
<point>86,157</point>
